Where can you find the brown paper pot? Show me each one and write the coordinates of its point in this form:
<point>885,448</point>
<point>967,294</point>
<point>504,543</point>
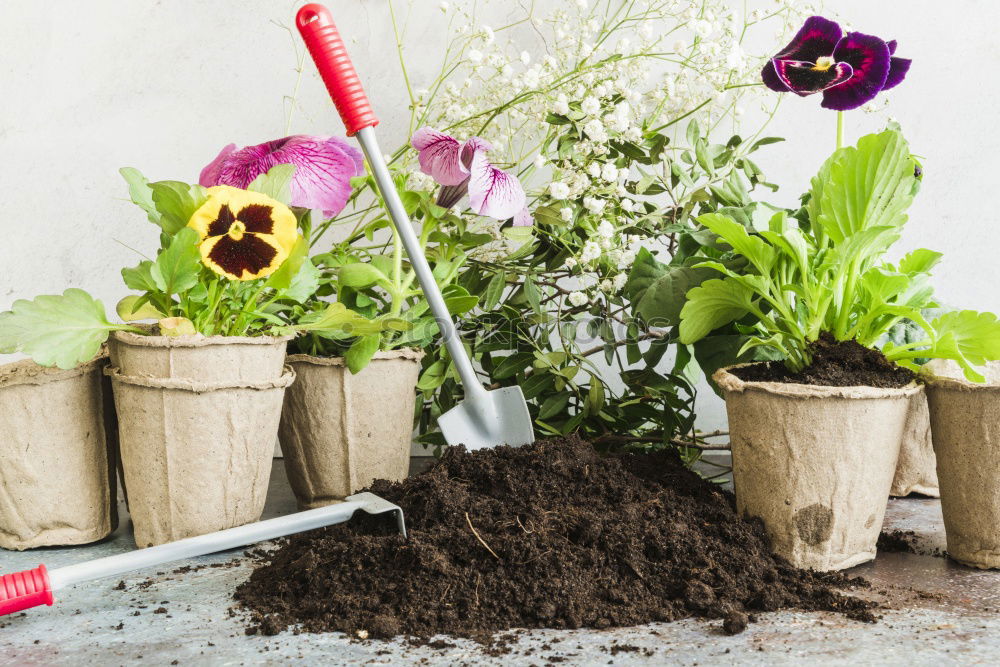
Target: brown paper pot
<point>56,466</point>
<point>199,358</point>
<point>815,464</point>
<point>340,432</point>
<point>196,441</point>
<point>965,421</point>
<point>916,471</point>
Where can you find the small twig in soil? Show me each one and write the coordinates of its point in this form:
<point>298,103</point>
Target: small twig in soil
<point>481,541</point>
<point>529,532</point>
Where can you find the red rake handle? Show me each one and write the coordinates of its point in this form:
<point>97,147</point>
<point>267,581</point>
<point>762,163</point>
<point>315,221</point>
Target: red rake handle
<point>24,590</point>
<point>330,55</point>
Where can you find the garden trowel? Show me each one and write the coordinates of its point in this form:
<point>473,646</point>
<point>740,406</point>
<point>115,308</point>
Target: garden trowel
<point>32,588</point>
<point>484,418</point>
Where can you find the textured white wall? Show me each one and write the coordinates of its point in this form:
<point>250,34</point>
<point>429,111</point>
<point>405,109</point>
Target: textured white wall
<point>90,86</point>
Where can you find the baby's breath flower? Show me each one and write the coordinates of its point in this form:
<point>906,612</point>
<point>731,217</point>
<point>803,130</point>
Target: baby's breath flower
<point>558,190</point>
<point>590,252</point>
<point>475,56</point>
<point>594,205</point>
<point>566,213</point>
<point>591,106</point>
<point>578,298</point>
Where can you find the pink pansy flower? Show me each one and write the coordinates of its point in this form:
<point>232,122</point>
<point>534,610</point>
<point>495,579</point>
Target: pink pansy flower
<point>464,168</point>
<point>324,167</point>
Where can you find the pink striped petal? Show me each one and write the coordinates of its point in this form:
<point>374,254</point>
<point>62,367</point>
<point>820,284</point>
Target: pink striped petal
<point>210,174</point>
<point>324,167</point>
<point>493,192</point>
<point>524,218</point>
<point>440,156</point>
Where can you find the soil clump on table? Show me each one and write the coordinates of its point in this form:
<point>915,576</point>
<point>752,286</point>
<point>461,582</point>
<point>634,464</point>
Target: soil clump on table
<point>551,535</point>
<point>835,364</point>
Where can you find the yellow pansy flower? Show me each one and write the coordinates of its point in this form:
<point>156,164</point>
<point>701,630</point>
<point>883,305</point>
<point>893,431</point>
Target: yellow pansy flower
<point>244,235</point>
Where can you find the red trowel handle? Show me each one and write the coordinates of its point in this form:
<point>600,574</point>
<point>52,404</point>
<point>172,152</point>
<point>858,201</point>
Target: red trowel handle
<point>23,590</point>
<point>330,55</point>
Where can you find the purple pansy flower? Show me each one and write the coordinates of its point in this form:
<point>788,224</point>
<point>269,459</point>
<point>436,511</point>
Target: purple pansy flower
<point>463,168</point>
<point>324,167</point>
<point>850,70</point>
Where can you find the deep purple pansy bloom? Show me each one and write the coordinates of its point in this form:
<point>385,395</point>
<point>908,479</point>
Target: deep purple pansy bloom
<point>850,70</point>
<point>324,167</point>
<point>463,168</point>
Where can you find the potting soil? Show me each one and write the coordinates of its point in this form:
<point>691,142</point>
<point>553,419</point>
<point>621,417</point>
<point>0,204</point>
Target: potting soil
<point>835,364</point>
<point>551,535</point>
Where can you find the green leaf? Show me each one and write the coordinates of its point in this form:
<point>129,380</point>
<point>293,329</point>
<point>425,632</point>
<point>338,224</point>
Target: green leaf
<point>283,277</point>
<point>304,284</point>
<point>135,308</point>
<point>661,303</point>
<point>711,305</point>
<point>494,290</point>
<point>175,203</point>
<point>871,185</point>
<point>177,267</point>
<point>968,337</point>
<point>276,183</point>
<point>361,351</point>
<point>760,254</point>
<point>140,278</point>
<point>433,376</point>
<point>360,275</point>
<point>140,193</point>
<point>337,320</point>
<point>56,330</point>
<point>920,260</point>
<point>176,326</point>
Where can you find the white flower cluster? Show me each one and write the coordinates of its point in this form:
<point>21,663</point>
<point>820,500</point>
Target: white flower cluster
<point>658,61</point>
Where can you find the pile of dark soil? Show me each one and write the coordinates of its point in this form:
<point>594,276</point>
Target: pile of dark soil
<point>835,364</point>
<point>551,535</point>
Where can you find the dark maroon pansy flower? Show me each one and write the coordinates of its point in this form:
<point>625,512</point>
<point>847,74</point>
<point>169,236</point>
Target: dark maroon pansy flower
<point>850,70</point>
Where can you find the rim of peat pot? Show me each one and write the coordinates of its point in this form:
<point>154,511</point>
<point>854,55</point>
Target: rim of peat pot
<point>198,340</point>
<point>26,371</point>
<point>411,353</point>
<point>730,382</point>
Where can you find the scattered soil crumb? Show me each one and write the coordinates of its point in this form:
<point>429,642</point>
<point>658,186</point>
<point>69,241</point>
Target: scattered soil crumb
<point>734,623</point>
<point>835,364</point>
<point>575,540</point>
<point>897,541</point>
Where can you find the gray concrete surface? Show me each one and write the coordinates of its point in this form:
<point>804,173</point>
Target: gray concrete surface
<point>940,613</point>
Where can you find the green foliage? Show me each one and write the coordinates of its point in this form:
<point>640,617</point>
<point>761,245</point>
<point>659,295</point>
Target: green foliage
<point>276,183</point>
<point>57,330</point>
<point>830,276</point>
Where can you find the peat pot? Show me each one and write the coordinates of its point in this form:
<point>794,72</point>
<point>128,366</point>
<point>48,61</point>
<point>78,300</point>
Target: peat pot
<point>340,432</point>
<point>57,461</point>
<point>815,464</point>
<point>198,419</point>
<point>965,422</point>
<point>916,471</point>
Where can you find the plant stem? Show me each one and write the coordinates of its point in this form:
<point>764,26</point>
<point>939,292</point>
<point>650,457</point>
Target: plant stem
<point>840,130</point>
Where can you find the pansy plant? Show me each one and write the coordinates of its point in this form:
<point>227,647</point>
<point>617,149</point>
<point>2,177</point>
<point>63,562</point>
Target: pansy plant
<point>232,262</point>
<point>849,69</point>
<point>829,275</point>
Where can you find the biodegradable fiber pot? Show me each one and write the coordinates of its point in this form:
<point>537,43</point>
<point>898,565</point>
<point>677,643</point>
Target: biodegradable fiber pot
<point>965,422</point>
<point>198,418</point>
<point>815,464</point>
<point>916,471</point>
<point>340,432</point>
<point>57,482</point>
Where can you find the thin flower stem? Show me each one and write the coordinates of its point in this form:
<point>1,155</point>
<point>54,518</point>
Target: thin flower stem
<point>840,130</point>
